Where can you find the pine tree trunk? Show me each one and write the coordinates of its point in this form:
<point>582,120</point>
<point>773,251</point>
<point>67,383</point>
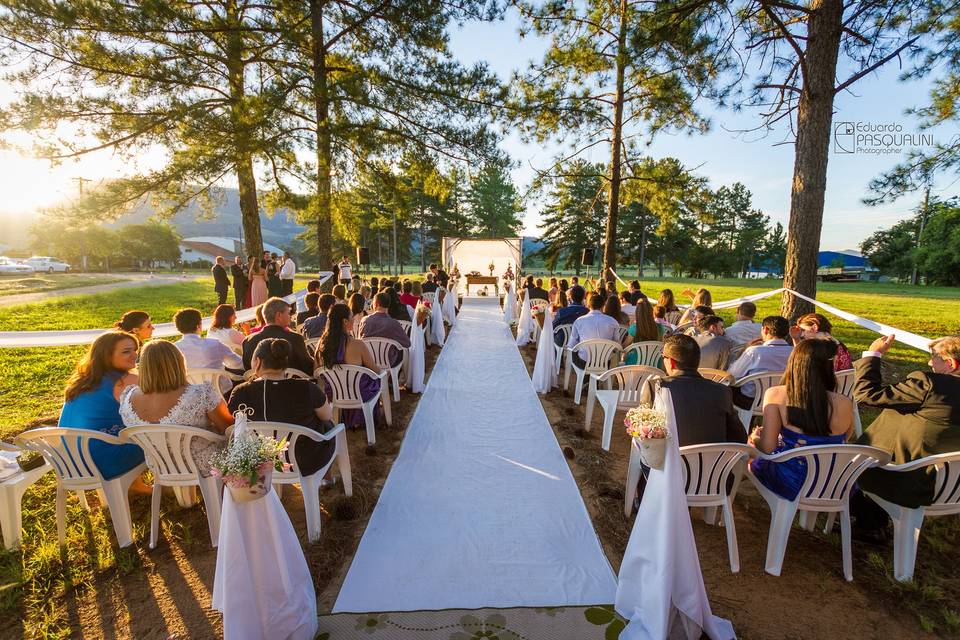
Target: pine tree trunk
<point>643,253</point>
<point>814,119</point>
<point>246,181</point>
<point>613,207</point>
<point>321,103</point>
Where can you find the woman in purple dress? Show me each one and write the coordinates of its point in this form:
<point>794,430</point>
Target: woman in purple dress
<point>337,346</point>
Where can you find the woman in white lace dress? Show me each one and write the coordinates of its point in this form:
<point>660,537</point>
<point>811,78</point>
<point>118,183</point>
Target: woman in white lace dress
<point>163,396</point>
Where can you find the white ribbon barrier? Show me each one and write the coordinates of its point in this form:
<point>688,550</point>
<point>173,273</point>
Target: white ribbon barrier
<point>11,339</point>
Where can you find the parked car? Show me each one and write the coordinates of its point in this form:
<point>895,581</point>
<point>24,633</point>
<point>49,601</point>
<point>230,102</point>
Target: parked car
<point>48,264</point>
<point>9,267</point>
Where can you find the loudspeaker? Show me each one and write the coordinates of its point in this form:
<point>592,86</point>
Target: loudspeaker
<point>586,259</point>
<point>363,256</point>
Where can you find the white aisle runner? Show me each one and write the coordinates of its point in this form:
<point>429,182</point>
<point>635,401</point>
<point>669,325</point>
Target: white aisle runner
<point>480,508</point>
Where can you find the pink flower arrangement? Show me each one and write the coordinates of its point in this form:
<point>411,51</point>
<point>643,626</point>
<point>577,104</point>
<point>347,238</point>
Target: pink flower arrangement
<point>645,423</point>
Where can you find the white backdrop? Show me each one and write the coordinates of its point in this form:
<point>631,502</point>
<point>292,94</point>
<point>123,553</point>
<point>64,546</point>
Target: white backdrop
<point>476,255</point>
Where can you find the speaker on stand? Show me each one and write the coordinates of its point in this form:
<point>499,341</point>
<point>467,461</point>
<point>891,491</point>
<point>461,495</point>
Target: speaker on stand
<point>363,258</point>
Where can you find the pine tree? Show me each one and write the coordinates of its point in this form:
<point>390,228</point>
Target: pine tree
<point>493,202</point>
<point>575,215</point>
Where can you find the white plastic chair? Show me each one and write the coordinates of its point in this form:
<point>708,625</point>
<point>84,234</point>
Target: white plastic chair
<point>344,381</point>
<point>564,331</point>
<point>761,382</point>
<point>382,350</point>
<point>716,375</point>
<point>649,352</point>
<point>430,296</point>
<point>845,381</point>
<point>68,452</point>
<point>290,372</point>
<point>623,387</point>
<point>167,450</point>
<point>309,485</point>
<point>831,472</point>
<point>908,521</point>
<point>601,356</point>
<point>311,345</point>
<point>538,307</point>
<point>12,489</point>
<point>706,469</point>
<point>219,378</point>
<point>622,333</point>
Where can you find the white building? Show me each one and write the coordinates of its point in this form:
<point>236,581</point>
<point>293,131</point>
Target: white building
<point>209,247</point>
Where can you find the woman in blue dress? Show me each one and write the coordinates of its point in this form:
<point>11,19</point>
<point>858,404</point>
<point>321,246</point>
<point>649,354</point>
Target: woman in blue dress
<point>92,399</point>
<point>804,411</point>
<point>338,346</point>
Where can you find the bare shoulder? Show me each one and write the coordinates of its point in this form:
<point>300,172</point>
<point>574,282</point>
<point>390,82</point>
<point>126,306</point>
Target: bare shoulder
<point>841,402</point>
<point>776,394</point>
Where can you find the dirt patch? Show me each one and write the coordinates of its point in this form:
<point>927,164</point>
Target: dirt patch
<point>811,599</point>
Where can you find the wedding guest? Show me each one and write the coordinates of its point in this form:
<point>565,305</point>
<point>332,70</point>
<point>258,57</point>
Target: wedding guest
<point>771,355</point>
<point>645,329</point>
<point>274,286</point>
<point>261,323</point>
<point>564,289</point>
<point>258,284</point>
<point>744,331</point>
<point>537,292</point>
<point>275,398</point>
<point>805,410</point>
<point>221,282</point>
<point>407,296</point>
<point>355,284</point>
<point>288,271</point>
<point>239,282</point>
<point>344,270</point>
<point>595,324</point>
<point>276,312</point>
<point>337,346</point>
<point>571,312</point>
<point>696,314</point>
<point>554,290</point>
<point>561,301</point>
<point>702,298</point>
<point>671,312</point>
<point>92,401</point>
<point>416,290</point>
<point>203,353</point>
<point>137,323</point>
<point>375,284</point>
<point>314,327</point>
<point>919,417</point>
<point>714,345</point>
<point>660,317</point>
<point>634,291</point>
<point>312,302</point>
<point>626,304</point>
<point>340,293</point>
<point>357,305</point>
<point>816,326</point>
<point>379,324</point>
<point>574,281</point>
<point>398,310</point>
<point>612,308</point>
<point>224,318</point>
<point>162,395</point>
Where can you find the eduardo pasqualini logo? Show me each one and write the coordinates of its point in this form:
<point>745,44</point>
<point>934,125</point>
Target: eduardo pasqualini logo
<point>845,138</point>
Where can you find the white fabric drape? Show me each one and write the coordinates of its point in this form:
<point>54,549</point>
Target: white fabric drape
<point>450,306</point>
<point>417,357</point>
<point>525,324</point>
<point>660,583</point>
<point>436,321</point>
<point>509,303</point>
<point>544,374</point>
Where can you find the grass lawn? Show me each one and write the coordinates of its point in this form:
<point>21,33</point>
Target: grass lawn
<point>52,282</point>
<point>35,581</point>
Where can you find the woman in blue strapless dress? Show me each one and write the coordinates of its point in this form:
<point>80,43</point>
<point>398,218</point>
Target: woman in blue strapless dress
<point>804,411</point>
<point>337,346</point>
<point>92,399</point>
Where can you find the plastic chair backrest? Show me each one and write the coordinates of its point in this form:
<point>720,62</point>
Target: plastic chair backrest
<point>344,381</point>
<point>290,432</point>
<point>312,346</point>
<point>383,350</point>
<point>213,376</point>
<point>680,328</point>
<point>832,470</point>
<point>407,326</point>
<point>706,467</point>
<point>716,375</point>
<point>761,382</point>
<point>845,380</point>
<point>563,329</point>
<point>167,448</point>
<point>537,305</point>
<point>629,377</point>
<point>295,373</point>
<point>430,296</point>
<point>599,353</point>
<point>648,352</point>
<point>67,450</point>
<point>946,488</point>
<point>622,333</point>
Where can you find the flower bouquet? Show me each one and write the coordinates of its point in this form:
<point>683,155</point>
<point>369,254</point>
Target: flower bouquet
<point>247,463</point>
<point>649,428</point>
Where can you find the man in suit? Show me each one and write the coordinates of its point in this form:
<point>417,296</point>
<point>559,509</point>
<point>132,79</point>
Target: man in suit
<point>439,275</point>
<point>379,324</point>
<point>714,346</point>
<point>276,311</point>
<point>239,282</point>
<point>312,301</point>
<point>221,282</point>
<point>920,417</point>
<point>538,292</point>
<point>429,286</point>
<point>569,313</point>
<point>315,326</point>
<point>635,293</point>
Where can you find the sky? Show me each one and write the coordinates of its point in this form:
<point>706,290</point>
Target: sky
<point>722,155</point>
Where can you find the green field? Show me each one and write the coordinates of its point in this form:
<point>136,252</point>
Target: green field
<point>52,282</point>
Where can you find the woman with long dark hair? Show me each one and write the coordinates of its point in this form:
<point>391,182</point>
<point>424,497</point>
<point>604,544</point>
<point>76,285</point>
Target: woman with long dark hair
<point>644,329</point>
<point>337,346</point>
<point>805,410</point>
<point>612,308</point>
<point>137,323</point>
<point>224,317</point>
<point>671,312</point>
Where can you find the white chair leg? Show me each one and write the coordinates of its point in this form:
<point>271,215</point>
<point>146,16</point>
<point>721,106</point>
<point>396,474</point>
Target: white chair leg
<point>591,398</point>
<point>633,477</point>
<point>116,493</point>
<point>781,519</point>
<point>310,488</point>
<point>10,517</point>
<point>710,516</point>
<point>831,518</point>
<point>210,490</point>
<point>387,409</point>
<point>745,416</point>
<point>807,519</point>
<point>845,544</point>
<point>578,391</point>
<point>186,496</point>
<point>732,548</point>
<point>857,425</point>
<point>566,370</point>
<point>368,421</point>
<point>82,499</point>
<point>343,464</point>
<point>395,379</point>
<point>906,535</point>
<point>155,497</point>
<point>61,514</point>
<point>608,414</point>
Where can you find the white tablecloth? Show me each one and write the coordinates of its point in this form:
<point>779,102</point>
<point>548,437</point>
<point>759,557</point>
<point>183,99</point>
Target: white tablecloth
<point>660,589</point>
<point>262,584</point>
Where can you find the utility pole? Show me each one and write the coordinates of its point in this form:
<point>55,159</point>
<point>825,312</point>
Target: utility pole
<point>923,221</point>
<point>396,269</point>
<point>83,249</point>
<point>80,182</point>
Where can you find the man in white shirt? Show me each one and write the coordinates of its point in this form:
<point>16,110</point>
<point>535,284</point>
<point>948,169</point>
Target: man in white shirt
<point>200,352</point>
<point>596,324</point>
<point>744,330</point>
<point>772,355</point>
<point>287,272</point>
<point>345,271</point>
